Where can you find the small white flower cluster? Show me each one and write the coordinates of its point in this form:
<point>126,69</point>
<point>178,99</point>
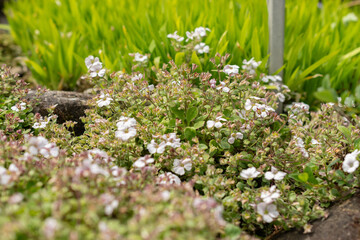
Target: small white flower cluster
<point>202,48</point>
<point>139,57</point>
<point>300,143</point>
<point>169,139</point>
<point>126,128</point>
<point>119,175</point>
<point>223,87</point>
<point>266,208</point>
<point>94,67</point>
<point>234,136</point>
<point>197,34</point>
<point>231,69</point>
<point>168,178</point>
<point>90,165</point>
<point>137,77</point>
<point>6,175</point>
<point>350,163</point>
<point>250,66</point>
<point>50,227</point>
<point>104,100</point>
<point>110,202</point>
<point>179,166</point>
<point>298,107</point>
<point>275,174</point>
<point>41,123</point>
<point>261,110</point>
<point>249,173</point>
<point>217,123</point>
<point>143,162</point>
<point>175,36</point>
<point>40,145</point>
<point>21,106</point>
<point>268,78</point>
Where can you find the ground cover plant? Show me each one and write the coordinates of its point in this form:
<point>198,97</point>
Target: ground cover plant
<point>321,52</point>
<point>186,153</point>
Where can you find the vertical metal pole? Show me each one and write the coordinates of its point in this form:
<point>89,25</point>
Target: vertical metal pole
<point>276,9</point>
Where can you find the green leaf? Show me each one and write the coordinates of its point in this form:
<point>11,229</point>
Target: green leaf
<point>224,144</point>
<point>178,113</point>
<point>191,114</point>
<point>172,123</point>
<point>199,124</point>
<point>195,59</point>
<point>328,95</point>
<point>157,62</point>
<point>202,146</point>
<point>152,46</point>
<point>346,131</point>
<point>179,58</point>
<point>232,231</point>
<point>303,177</point>
<point>189,133</point>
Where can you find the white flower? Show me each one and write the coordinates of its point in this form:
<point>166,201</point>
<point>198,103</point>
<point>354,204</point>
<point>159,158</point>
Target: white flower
<point>151,87</point>
<point>4,176</point>
<point>217,123</point>
<point>248,104</point>
<point>109,208</point>
<point>19,107</point>
<point>105,100</point>
<point>281,97</point>
<point>90,60</point>
<point>124,134</point>
<point>223,87</point>
<point>350,163</point>
<point>171,140</point>
<point>275,78</point>
<point>315,142</point>
<point>155,147</point>
<point>125,122</point>
<point>97,73</point>
<point>143,161</point>
<point>201,31</point>
<point>202,48</point>
<point>271,195</point>
<point>168,178</point>
<point>175,36</point>
<point>41,124</point>
<point>262,110</point>
<point>267,211</point>
<point>179,166</point>
<point>139,57</point>
<point>137,77</point>
<point>250,66</point>
<point>249,173</point>
<point>299,142</point>
<point>50,227</point>
<point>234,136</point>
<point>275,174</point>
<point>297,107</point>
<point>231,69</point>
<point>197,34</point>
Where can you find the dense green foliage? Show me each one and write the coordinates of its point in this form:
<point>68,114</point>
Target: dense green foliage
<point>189,156</point>
<point>319,40</point>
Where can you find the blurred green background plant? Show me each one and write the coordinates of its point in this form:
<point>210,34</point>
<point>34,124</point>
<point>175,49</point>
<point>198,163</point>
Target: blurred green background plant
<point>322,52</point>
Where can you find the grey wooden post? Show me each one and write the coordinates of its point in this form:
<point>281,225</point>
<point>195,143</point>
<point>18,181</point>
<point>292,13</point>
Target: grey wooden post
<point>276,9</point>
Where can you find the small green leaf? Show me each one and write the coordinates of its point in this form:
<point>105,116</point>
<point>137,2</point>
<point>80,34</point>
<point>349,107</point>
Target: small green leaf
<point>232,231</point>
<point>157,62</point>
<point>202,146</point>
<point>224,144</point>
<point>189,133</point>
<point>199,124</point>
<point>195,59</point>
<point>179,58</point>
<point>303,177</point>
<point>346,131</point>
<point>191,114</point>
<point>152,46</point>
<point>178,113</point>
<point>172,123</point>
<point>328,95</point>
